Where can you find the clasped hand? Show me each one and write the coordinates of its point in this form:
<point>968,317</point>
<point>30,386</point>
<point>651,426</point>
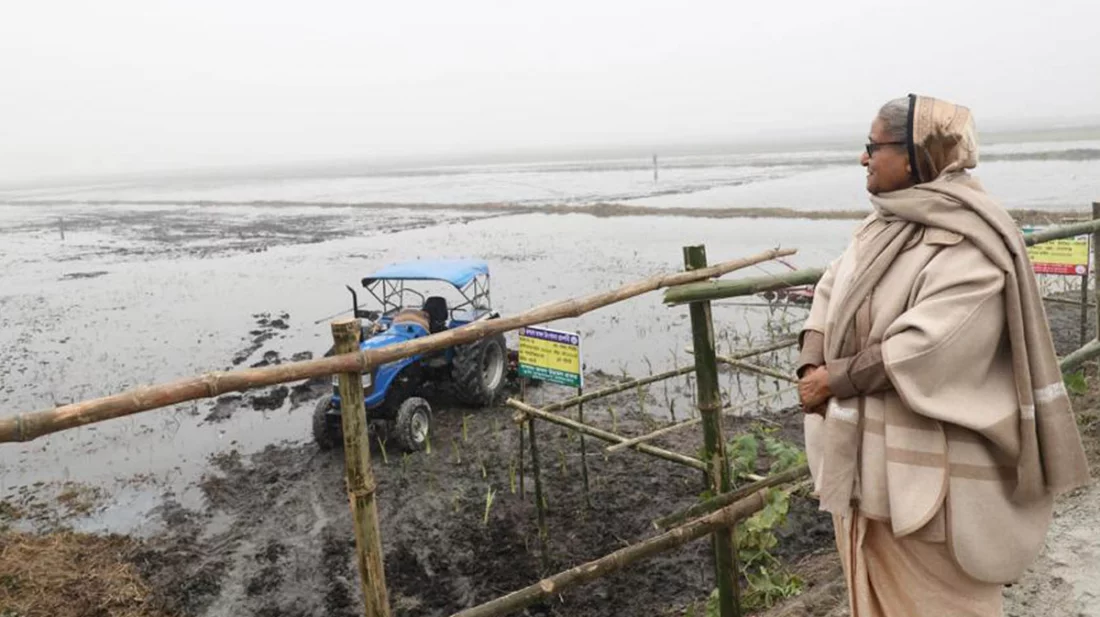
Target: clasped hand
<point>813,390</point>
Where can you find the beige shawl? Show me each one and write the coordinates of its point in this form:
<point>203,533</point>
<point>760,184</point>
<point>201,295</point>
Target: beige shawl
<point>1040,435</point>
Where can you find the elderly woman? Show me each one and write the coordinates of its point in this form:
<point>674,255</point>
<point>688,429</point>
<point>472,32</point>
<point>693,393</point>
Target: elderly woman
<point>938,430</point>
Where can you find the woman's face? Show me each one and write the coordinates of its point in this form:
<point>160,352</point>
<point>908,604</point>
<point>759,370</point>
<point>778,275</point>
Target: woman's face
<point>888,167</point>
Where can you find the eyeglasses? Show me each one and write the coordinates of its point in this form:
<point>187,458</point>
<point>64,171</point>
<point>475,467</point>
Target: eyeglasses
<point>871,147</point>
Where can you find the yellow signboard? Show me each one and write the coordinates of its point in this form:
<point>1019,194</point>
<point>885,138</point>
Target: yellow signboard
<point>550,355</point>
<point>1067,256</point>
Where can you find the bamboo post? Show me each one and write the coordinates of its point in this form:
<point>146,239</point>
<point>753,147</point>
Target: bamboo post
<point>1096,265</point>
<point>28,426</point>
<point>360,476</point>
<point>522,397</point>
<point>584,452</point>
<point>540,502</point>
<point>1084,305</point>
<point>598,433</point>
<point>714,447</point>
<point>609,564</point>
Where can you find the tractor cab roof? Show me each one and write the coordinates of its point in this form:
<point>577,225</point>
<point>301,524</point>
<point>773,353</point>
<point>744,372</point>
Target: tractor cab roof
<point>457,272</point>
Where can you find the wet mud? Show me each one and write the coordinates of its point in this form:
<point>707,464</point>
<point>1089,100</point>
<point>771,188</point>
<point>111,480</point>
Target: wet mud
<point>274,534</point>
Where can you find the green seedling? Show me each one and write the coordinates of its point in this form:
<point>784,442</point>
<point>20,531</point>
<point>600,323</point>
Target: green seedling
<point>489,495</point>
<point>382,448</point>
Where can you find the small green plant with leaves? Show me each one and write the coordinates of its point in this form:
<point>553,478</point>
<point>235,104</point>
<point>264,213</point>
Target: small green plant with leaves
<point>767,578</point>
<point>1076,383</point>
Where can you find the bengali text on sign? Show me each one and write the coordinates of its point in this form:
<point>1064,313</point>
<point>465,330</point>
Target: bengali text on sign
<point>550,355</point>
<point>1069,256</point>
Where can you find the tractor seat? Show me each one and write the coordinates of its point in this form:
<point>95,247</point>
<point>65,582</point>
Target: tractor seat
<point>411,315</point>
<point>436,308</point>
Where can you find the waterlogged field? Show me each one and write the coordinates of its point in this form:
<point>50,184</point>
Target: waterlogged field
<point>135,295</point>
<point>229,508</point>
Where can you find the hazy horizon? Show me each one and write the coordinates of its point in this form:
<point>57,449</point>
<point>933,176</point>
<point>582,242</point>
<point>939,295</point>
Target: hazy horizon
<point>128,89</point>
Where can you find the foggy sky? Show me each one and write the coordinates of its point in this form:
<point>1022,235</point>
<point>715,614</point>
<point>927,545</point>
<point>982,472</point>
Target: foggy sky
<point>122,86</point>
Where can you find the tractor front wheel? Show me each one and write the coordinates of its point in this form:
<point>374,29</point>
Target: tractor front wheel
<point>478,371</point>
<point>412,426</point>
<point>326,432</point>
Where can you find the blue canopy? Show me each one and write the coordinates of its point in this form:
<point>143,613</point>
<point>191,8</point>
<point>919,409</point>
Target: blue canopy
<point>457,272</point>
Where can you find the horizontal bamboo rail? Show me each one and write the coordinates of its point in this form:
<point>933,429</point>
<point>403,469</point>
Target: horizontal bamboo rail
<point>599,433</point>
<point>751,368</point>
<point>692,422</point>
<point>28,426</point>
<point>643,381</point>
<point>608,564</point>
<point>716,290</point>
<point>1060,232</point>
<point>1087,352</point>
<point>756,368</point>
<point>725,499</point>
<point>1072,301</point>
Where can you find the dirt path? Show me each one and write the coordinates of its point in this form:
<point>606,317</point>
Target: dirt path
<point>1065,581</point>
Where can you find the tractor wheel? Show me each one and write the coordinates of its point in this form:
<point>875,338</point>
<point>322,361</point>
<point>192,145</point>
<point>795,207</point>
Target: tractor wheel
<point>478,371</point>
<point>326,433</point>
<point>412,427</point>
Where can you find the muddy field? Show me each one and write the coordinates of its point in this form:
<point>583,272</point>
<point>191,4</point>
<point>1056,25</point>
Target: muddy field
<point>226,507</point>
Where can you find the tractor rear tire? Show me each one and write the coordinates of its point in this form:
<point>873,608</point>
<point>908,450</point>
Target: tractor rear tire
<point>478,371</point>
<point>327,434</point>
<point>412,427</point>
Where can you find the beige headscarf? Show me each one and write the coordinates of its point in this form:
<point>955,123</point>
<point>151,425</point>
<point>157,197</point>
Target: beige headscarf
<point>941,138</point>
<point>942,146</point>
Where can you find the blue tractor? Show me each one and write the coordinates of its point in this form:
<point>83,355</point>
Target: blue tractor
<point>476,372</point>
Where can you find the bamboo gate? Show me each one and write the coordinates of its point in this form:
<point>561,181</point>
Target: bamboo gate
<point>716,516</point>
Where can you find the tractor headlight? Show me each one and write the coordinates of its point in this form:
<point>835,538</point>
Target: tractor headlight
<point>366,381</point>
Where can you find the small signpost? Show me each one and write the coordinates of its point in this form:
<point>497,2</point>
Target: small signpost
<point>1065,257</point>
<point>1069,256</point>
<point>551,355</point>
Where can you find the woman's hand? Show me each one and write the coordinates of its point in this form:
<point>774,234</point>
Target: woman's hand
<point>813,390</point>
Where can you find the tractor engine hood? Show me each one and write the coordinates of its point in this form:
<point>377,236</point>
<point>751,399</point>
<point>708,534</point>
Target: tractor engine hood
<point>397,333</point>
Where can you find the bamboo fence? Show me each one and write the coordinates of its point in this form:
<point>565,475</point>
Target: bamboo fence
<point>30,425</point>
